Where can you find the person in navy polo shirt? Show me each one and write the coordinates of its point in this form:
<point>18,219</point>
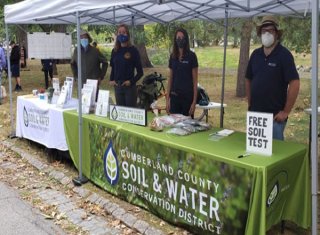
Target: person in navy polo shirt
<point>182,88</point>
<point>125,60</point>
<point>272,80</point>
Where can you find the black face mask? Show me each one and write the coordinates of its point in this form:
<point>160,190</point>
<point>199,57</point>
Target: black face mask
<point>181,42</point>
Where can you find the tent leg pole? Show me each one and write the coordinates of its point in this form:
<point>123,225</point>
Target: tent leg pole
<point>224,65</point>
<point>81,179</point>
<point>13,133</point>
<point>314,114</point>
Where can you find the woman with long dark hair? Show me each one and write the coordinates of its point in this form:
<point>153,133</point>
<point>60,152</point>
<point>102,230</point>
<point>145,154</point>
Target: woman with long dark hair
<point>183,76</point>
<point>125,59</point>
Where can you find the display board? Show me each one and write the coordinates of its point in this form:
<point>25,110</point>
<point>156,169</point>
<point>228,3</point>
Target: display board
<point>49,45</point>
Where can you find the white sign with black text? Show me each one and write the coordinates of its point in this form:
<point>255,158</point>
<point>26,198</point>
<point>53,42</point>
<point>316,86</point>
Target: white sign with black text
<point>127,114</point>
<point>259,133</point>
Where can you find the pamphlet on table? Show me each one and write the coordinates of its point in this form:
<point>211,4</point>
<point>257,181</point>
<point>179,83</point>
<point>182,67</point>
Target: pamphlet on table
<point>103,103</point>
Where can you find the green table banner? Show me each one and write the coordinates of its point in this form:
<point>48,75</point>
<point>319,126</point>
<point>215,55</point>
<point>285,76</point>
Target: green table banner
<point>194,182</point>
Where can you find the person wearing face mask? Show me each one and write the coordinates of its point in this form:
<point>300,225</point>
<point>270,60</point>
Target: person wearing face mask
<point>126,68</point>
<point>272,80</point>
<point>93,63</point>
<point>182,87</point>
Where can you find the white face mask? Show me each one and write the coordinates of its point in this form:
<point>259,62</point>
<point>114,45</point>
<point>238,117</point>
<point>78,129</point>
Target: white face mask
<point>267,39</point>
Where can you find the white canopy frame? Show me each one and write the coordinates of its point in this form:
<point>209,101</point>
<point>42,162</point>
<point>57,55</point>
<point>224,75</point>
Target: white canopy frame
<point>166,11</point>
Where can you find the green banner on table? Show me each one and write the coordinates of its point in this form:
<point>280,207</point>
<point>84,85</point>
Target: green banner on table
<point>192,181</point>
<point>207,196</point>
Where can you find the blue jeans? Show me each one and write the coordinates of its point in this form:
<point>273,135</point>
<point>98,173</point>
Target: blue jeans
<point>278,129</point>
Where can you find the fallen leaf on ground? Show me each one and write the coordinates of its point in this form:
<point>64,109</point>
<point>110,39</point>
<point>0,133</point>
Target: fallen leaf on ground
<point>47,216</point>
<point>115,222</point>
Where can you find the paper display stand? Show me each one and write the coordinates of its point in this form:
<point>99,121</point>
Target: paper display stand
<point>62,97</point>
<point>69,81</point>
<point>56,90</point>
<point>56,86</point>
<point>103,103</point>
<point>93,97</point>
<point>86,99</point>
<point>93,83</point>
<point>259,133</point>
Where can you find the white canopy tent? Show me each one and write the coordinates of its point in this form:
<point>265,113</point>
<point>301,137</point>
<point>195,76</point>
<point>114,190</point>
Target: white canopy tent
<point>165,11</point>
<point>144,11</point>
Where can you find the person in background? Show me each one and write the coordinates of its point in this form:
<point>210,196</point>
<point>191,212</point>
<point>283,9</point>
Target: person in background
<point>5,67</point>
<point>23,56</point>
<point>15,64</point>
<point>47,68</point>
<point>272,80</point>
<point>125,61</point>
<point>93,63</point>
<point>183,76</point>
<point>3,64</point>
<point>3,59</point>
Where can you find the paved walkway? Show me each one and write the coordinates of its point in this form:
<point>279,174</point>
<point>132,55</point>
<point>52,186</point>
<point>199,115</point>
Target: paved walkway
<point>19,217</point>
<point>67,206</point>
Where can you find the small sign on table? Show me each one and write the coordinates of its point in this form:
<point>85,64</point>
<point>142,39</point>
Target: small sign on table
<point>259,133</point>
<point>127,114</point>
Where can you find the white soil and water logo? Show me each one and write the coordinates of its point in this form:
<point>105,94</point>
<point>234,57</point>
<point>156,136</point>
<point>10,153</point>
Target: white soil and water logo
<point>273,194</point>
<point>110,164</point>
<point>36,119</point>
<point>280,184</point>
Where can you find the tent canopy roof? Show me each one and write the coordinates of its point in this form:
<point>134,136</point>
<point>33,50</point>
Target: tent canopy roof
<point>145,11</point>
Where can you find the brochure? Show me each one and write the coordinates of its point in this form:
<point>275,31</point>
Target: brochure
<point>103,103</point>
<point>94,83</point>
<point>93,99</point>
<point>86,99</point>
<point>69,81</point>
<point>62,97</point>
<point>56,86</point>
<point>220,134</point>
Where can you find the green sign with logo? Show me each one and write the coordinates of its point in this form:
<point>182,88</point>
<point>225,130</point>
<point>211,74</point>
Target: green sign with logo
<point>204,195</point>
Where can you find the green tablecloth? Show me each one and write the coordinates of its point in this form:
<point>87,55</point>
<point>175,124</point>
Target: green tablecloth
<point>192,181</point>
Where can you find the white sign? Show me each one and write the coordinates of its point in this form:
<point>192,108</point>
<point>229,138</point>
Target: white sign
<point>62,97</point>
<point>259,133</point>
<point>102,104</point>
<point>49,45</point>
<point>86,99</point>
<point>93,83</point>
<point>127,114</point>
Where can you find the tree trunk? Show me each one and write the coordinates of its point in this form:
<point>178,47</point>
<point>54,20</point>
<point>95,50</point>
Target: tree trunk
<point>144,56</point>
<point>244,57</point>
<point>141,46</point>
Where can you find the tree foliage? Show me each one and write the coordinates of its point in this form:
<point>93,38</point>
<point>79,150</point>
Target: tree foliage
<point>297,33</point>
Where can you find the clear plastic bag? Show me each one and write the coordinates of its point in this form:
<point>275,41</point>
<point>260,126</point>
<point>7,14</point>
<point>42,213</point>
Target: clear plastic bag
<point>178,131</point>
